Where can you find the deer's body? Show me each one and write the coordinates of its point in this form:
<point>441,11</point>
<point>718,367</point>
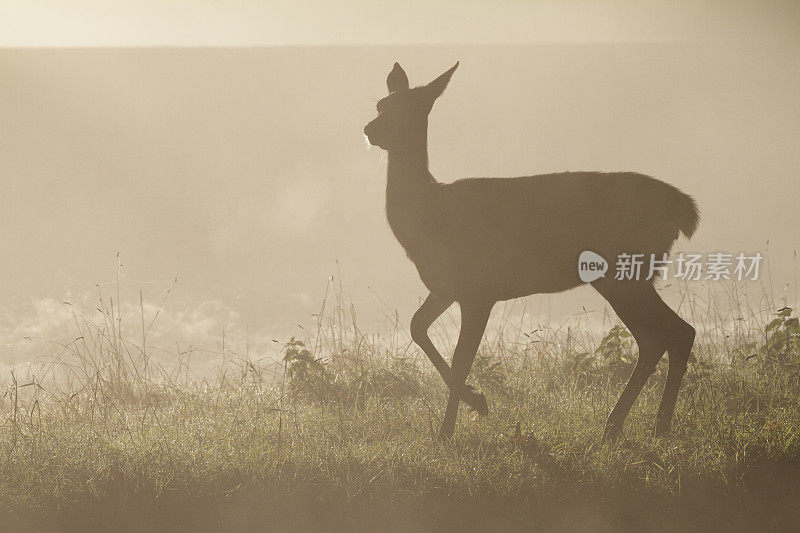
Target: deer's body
<point>502,238</point>
<point>482,240</point>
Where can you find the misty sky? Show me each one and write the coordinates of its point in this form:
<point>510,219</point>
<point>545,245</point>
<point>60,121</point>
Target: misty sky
<point>320,22</point>
<point>244,172</point>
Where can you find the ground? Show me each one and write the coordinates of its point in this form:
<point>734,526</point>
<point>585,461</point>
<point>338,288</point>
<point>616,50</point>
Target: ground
<point>343,437</point>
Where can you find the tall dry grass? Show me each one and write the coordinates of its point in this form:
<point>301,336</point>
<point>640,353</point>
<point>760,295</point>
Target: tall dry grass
<point>341,429</point>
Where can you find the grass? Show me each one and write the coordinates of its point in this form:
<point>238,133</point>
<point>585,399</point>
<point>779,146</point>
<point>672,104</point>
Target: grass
<point>341,435</point>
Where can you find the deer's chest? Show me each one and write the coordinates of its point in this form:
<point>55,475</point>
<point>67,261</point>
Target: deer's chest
<point>414,228</point>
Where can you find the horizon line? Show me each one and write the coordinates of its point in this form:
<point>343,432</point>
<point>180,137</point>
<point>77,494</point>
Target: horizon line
<point>358,45</point>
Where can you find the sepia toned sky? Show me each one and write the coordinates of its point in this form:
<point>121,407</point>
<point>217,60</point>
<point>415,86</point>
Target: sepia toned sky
<point>320,22</point>
<point>243,171</point>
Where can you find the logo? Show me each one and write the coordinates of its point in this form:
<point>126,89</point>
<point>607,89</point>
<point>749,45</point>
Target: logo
<point>688,266</point>
<point>591,266</point>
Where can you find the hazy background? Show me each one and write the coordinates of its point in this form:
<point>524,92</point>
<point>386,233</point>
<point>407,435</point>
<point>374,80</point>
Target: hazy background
<point>243,171</point>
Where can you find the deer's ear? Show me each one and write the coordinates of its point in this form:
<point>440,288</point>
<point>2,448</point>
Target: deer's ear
<point>397,79</point>
<point>437,86</point>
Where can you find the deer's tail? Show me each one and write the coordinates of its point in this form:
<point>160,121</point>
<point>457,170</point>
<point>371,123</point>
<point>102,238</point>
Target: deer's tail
<point>686,213</point>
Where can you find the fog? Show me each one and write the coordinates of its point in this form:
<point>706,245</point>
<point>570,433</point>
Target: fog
<point>243,172</point>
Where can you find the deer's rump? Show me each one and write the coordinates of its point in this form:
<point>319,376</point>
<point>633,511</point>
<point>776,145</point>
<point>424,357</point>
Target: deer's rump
<point>508,237</point>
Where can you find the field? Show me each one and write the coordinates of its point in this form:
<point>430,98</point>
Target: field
<point>342,435</point>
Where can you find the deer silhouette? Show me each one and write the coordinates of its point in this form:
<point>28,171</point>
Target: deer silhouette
<point>478,241</point>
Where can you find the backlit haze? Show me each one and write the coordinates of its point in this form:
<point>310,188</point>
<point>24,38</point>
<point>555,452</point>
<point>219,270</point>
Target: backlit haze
<point>233,158</point>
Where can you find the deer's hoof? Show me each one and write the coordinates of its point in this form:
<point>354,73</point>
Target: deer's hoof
<point>475,400</point>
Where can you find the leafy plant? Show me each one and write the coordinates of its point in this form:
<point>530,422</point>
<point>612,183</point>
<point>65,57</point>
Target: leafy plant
<point>307,374</point>
<point>782,334</point>
<point>617,351</point>
<point>301,362</point>
<point>617,345</point>
<point>580,365</point>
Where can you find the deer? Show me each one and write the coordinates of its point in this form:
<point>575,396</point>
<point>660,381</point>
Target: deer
<point>479,241</point>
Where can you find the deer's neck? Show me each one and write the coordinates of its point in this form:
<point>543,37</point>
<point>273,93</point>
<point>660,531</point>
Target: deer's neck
<point>411,195</point>
<point>408,178</point>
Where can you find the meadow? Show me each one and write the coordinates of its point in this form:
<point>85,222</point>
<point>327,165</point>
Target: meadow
<point>340,434</point>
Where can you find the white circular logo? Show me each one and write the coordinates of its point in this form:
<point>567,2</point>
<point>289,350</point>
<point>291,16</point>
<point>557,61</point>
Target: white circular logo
<point>591,266</point>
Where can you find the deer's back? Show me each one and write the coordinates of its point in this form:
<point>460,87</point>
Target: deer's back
<point>509,237</point>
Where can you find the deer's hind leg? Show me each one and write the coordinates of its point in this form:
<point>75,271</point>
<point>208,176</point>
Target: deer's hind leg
<point>429,311</point>
<point>679,348</point>
<point>656,329</point>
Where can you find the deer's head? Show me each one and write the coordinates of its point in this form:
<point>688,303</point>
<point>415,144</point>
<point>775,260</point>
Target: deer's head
<point>403,115</point>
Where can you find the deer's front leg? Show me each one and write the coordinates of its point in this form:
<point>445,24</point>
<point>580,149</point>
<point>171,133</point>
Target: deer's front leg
<point>429,311</point>
<point>474,316</point>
